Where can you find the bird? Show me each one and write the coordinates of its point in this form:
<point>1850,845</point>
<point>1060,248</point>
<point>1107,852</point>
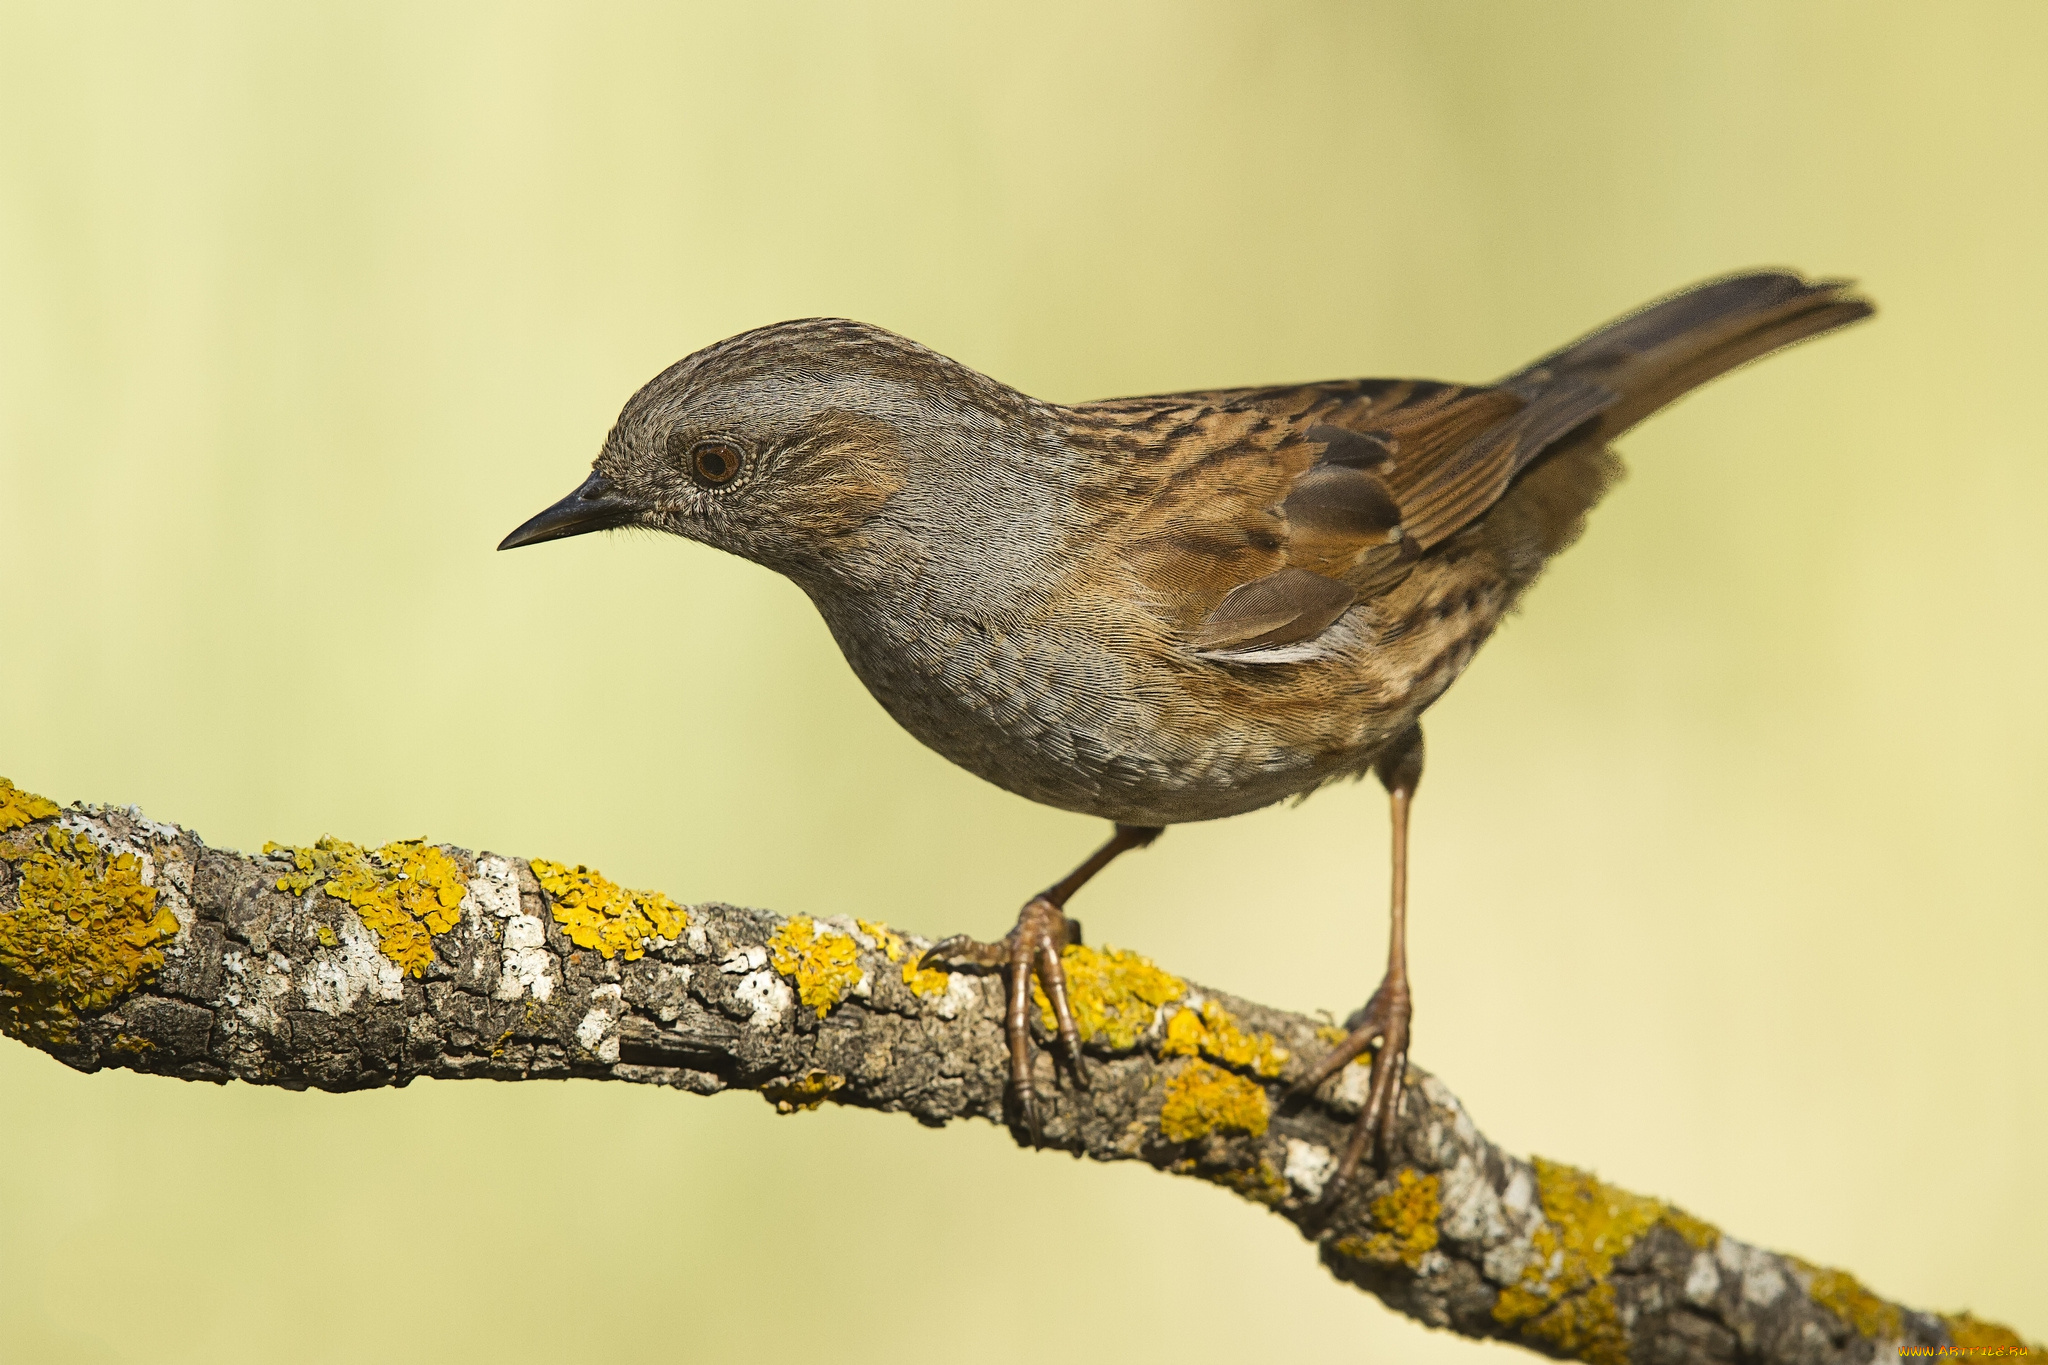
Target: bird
<point>1168,609</point>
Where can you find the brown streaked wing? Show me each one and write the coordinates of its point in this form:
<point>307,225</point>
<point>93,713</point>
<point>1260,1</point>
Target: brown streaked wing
<point>1470,454</point>
<point>1253,533</point>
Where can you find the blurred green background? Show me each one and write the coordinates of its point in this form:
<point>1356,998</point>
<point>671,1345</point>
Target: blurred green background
<point>1730,860</point>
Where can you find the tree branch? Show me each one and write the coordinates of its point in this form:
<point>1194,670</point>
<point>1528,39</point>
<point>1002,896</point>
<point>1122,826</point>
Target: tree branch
<point>125,942</point>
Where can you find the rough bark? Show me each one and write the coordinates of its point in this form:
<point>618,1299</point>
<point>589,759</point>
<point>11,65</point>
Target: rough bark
<point>125,942</point>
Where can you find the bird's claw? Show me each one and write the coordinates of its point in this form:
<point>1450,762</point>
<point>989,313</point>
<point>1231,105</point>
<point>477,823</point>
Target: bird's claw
<point>960,951</point>
<point>1384,1021</point>
<point>1031,949</point>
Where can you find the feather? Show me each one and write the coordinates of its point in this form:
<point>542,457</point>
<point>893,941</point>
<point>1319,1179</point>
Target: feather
<point>1281,608</point>
<point>1337,500</point>
<point>1354,449</point>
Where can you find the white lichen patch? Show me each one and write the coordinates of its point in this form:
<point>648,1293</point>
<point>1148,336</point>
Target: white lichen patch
<point>595,1033</point>
<point>962,991</point>
<point>1443,1144</point>
<point>335,978</point>
<point>766,995</point>
<point>490,899</point>
<point>256,988</point>
<point>493,891</point>
<point>1471,1208</point>
<point>1519,1198</point>
<point>1763,1286</point>
<point>156,829</point>
<point>525,965</point>
<point>1520,1215</point>
<point>1702,1279</point>
<point>1308,1167</point>
<point>1763,1283</point>
<point>91,821</point>
<point>1348,1091</point>
<point>740,961</point>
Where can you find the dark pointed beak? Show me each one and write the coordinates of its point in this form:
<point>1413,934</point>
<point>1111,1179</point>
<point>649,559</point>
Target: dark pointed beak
<point>594,506</point>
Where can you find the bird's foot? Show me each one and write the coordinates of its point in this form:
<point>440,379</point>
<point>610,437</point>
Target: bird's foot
<point>1383,1020</point>
<point>1031,949</point>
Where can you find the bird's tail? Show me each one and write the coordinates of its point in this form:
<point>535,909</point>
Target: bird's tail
<point>1661,352</point>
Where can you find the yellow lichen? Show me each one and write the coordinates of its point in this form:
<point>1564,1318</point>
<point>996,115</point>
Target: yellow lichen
<point>18,808</point>
<point>1259,1183</point>
<point>1408,1213</point>
<point>1844,1295</point>
<point>807,1091</point>
<point>887,939</point>
<point>1696,1231</point>
<point>1214,1032</point>
<point>405,892</point>
<point>85,930</point>
<point>1563,1296</point>
<point>924,982</point>
<point>1586,1326</point>
<point>325,935</point>
<point>1981,1341</point>
<point>825,964</point>
<point>1115,995</point>
<point>597,913</point>
<point>1204,1099</point>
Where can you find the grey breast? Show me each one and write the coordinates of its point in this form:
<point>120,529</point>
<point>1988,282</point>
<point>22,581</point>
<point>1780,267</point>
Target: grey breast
<point>956,616</point>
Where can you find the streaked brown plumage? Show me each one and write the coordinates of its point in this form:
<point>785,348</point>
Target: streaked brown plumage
<point>1168,609</point>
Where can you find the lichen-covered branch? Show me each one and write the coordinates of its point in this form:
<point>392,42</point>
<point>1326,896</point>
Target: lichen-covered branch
<point>125,942</point>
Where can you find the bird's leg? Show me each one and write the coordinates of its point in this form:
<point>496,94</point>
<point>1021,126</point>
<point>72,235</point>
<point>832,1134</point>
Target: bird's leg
<point>1033,948</point>
<point>1386,1016</point>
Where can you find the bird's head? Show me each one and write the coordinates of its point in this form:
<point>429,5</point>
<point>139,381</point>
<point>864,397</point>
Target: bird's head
<point>783,444</point>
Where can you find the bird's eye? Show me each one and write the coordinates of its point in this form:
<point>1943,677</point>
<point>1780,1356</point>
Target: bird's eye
<point>714,464</point>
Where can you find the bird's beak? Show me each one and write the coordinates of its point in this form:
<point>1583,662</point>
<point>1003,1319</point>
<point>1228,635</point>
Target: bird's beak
<point>594,506</point>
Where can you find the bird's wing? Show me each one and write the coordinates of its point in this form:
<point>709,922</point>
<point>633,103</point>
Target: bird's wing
<point>1253,519</point>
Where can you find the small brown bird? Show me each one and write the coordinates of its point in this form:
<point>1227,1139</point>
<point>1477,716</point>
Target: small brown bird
<point>1168,609</point>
